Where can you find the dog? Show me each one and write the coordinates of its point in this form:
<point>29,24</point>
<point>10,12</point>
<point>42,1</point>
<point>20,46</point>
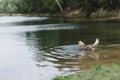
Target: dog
<point>88,47</point>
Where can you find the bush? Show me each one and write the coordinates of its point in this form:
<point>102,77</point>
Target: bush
<point>103,14</point>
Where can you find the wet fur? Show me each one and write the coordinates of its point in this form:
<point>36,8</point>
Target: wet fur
<point>88,47</point>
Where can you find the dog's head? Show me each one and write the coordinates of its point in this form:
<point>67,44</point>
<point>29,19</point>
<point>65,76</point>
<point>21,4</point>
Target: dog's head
<point>80,43</point>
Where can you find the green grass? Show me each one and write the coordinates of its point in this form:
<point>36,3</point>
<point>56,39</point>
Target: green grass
<point>99,72</point>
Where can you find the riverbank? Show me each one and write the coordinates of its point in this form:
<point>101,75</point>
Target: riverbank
<point>78,15</point>
<point>70,19</point>
<point>99,72</point>
<point>98,15</point>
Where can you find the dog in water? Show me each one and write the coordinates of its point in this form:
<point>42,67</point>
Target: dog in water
<point>88,47</point>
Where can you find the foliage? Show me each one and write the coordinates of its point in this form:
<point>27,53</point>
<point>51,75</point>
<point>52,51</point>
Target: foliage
<point>51,6</point>
<point>110,4</point>
<point>99,72</point>
<point>31,6</point>
<point>9,6</point>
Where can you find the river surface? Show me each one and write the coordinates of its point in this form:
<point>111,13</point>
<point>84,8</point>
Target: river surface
<point>40,48</point>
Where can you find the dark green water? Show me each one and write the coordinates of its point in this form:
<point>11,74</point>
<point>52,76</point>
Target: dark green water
<point>39,48</point>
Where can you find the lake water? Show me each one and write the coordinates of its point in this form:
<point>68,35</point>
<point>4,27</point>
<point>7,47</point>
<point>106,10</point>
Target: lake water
<point>39,48</point>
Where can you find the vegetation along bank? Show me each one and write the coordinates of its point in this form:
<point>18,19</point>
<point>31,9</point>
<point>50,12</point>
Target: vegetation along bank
<point>66,8</point>
<point>99,72</point>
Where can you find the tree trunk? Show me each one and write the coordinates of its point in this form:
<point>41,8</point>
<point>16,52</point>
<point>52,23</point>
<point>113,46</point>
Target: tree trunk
<point>61,9</point>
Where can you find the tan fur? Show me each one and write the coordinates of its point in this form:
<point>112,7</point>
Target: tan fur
<point>88,47</point>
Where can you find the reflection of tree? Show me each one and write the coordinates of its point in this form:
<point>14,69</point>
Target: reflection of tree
<point>42,42</point>
<point>49,38</point>
<point>41,21</point>
<point>45,43</point>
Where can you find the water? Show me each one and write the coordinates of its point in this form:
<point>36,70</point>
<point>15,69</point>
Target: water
<point>39,48</point>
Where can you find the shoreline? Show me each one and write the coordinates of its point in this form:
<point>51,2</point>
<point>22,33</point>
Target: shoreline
<point>94,19</point>
<point>98,72</point>
<point>70,18</point>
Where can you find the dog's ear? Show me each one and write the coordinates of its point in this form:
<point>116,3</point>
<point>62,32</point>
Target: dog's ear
<point>96,42</point>
<point>81,43</point>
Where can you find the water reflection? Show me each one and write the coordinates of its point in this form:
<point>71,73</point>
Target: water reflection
<point>40,48</point>
<point>60,48</point>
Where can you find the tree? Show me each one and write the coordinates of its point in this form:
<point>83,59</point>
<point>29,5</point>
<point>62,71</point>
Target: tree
<point>59,5</point>
<point>56,6</point>
<point>110,4</point>
<point>9,6</point>
<point>31,6</point>
<point>53,6</point>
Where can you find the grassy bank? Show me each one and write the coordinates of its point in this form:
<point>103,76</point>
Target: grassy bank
<point>99,72</point>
